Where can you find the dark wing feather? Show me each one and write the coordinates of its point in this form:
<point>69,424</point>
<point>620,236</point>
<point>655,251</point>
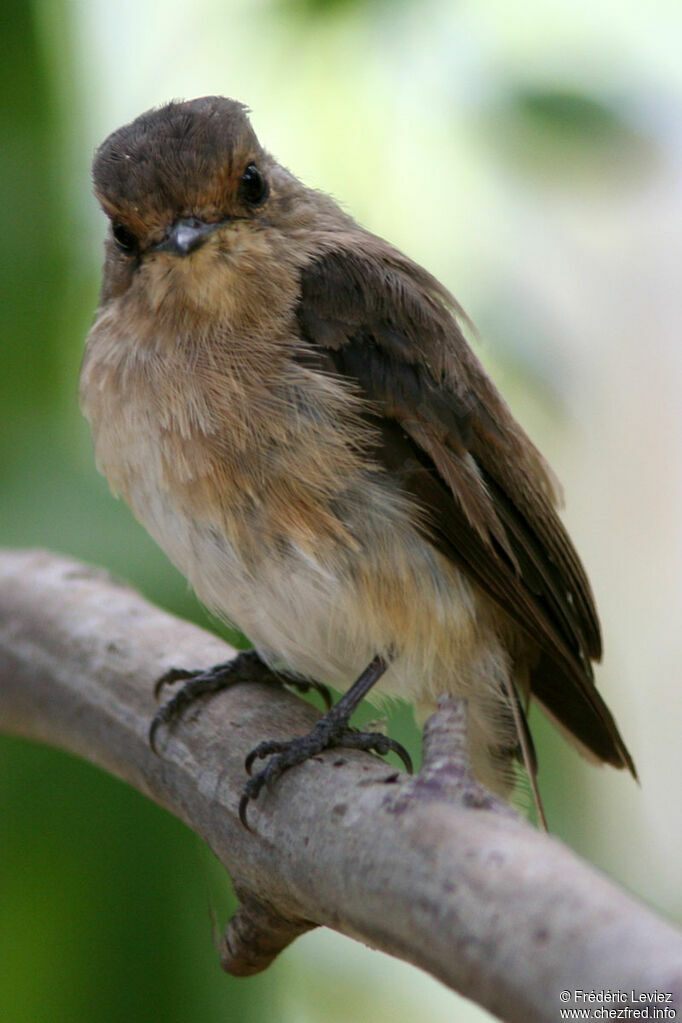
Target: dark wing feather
<point>375,317</point>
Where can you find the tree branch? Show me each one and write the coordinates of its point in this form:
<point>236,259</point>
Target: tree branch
<point>504,915</point>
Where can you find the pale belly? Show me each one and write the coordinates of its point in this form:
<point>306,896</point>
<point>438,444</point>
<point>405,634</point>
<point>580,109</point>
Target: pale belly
<point>326,624</point>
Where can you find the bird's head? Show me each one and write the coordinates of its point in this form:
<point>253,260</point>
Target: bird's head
<point>197,208</point>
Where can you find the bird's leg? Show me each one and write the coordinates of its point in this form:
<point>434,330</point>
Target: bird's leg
<point>247,666</point>
<point>331,730</point>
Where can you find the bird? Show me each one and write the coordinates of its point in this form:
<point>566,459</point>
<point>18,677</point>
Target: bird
<point>290,406</point>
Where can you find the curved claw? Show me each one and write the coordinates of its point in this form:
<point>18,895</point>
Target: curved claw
<point>157,721</point>
<point>400,750</point>
<point>379,743</point>
<point>251,790</point>
<point>171,676</point>
<point>170,710</point>
<point>270,772</point>
<point>262,750</point>
<point>243,804</point>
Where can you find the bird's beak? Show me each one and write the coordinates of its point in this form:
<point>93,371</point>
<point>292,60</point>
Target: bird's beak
<point>186,234</point>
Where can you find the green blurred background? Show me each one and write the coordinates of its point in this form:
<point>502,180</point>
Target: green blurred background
<point>527,154</point>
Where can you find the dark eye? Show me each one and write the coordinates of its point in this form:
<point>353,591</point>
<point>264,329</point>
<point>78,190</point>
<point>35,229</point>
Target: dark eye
<point>253,187</point>
<point>125,239</point>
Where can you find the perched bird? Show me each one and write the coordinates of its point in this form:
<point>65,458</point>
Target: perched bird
<point>289,405</point>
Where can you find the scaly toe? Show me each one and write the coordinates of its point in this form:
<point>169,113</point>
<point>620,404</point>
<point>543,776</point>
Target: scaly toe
<point>375,742</point>
<point>174,675</point>
<point>262,750</point>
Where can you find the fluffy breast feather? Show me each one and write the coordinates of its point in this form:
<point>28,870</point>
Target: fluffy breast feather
<point>264,499</point>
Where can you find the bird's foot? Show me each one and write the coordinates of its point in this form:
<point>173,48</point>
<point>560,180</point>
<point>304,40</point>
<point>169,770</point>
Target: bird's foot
<point>329,732</point>
<point>247,666</point>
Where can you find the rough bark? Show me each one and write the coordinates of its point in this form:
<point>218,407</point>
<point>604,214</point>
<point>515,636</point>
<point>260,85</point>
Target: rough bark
<point>422,868</point>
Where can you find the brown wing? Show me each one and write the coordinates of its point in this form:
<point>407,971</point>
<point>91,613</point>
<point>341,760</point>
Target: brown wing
<point>375,317</point>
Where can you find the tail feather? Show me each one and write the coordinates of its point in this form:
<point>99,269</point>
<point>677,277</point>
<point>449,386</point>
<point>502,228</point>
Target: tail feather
<point>527,751</point>
<point>579,711</point>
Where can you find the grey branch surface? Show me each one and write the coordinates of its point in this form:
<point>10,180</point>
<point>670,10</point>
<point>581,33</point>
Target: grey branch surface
<point>502,914</point>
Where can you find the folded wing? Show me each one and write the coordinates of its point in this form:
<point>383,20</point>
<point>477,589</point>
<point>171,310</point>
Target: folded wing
<point>374,317</point>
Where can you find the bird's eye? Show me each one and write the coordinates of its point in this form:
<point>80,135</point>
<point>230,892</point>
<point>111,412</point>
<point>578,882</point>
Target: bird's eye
<point>125,239</point>
<point>253,187</point>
